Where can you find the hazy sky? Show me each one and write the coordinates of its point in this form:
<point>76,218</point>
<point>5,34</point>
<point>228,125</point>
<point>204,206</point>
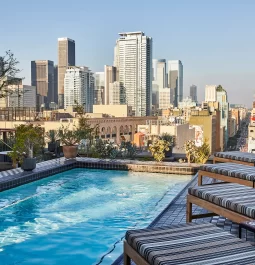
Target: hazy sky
<point>215,40</point>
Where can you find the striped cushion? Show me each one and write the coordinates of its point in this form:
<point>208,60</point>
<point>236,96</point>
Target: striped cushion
<point>236,155</point>
<point>231,170</point>
<point>193,244</point>
<point>235,197</point>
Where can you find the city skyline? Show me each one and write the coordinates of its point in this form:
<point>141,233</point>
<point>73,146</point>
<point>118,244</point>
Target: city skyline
<point>209,49</point>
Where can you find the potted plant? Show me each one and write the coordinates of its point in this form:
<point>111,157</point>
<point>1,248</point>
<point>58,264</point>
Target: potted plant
<point>71,138</point>
<point>53,136</point>
<point>170,139</point>
<point>29,140</point>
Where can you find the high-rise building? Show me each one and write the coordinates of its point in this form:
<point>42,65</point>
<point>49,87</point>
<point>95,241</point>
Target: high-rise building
<point>55,86</point>
<point>22,96</point>
<point>159,82</point>
<point>216,98</point>
<point>99,88</point>
<point>79,87</point>
<point>114,93</point>
<point>164,98</point>
<point>154,69</point>
<point>210,93</point>
<point>222,98</point>
<point>110,76</point>
<point>66,58</point>
<point>193,93</point>
<point>42,77</point>
<point>133,59</point>
<point>175,80</point>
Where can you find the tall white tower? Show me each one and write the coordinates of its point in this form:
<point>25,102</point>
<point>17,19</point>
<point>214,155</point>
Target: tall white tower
<point>133,59</point>
<point>79,87</point>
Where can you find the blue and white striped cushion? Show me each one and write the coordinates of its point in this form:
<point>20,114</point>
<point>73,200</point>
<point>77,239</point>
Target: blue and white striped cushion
<point>231,170</point>
<point>190,244</point>
<point>235,197</point>
<point>237,155</point>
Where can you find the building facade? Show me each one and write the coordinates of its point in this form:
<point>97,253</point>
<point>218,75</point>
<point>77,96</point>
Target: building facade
<point>23,96</point>
<point>164,98</point>
<point>159,80</point>
<point>110,76</point>
<point>210,125</point>
<point>99,88</point>
<point>55,86</point>
<point>114,93</point>
<point>224,109</point>
<point>175,80</point>
<point>193,93</point>
<point>42,77</point>
<point>113,110</point>
<point>133,59</point>
<point>210,93</point>
<point>66,58</point>
<point>79,87</point>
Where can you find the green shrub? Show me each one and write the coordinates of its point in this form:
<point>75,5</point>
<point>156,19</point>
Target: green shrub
<point>158,148</point>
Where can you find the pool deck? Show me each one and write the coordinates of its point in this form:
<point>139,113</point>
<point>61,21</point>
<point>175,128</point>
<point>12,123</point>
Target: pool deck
<point>175,213</point>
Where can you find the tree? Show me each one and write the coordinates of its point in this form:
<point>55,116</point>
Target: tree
<point>8,73</point>
<point>219,88</point>
<point>158,148</point>
<point>197,154</point>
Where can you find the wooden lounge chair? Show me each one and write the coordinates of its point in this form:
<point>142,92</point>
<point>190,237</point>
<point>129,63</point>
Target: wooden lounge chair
<point>185,244</point>
<point>244,158</point>
<point>232,201</point>
<point>228,172</point>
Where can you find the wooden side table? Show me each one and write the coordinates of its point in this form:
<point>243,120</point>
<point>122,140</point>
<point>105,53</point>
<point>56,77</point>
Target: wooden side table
<point>248,226</point>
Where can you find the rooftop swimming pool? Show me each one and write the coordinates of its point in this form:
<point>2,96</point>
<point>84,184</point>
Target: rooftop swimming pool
<point>80,216</point>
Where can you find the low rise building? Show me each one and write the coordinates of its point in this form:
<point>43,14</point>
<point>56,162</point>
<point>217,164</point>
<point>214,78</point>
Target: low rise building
<point>116,129</point>
<point>181,132</point>
<point>210,125</point>
<point>113,110</point>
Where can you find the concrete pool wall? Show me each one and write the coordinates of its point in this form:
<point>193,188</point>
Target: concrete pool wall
<point>16,177</point>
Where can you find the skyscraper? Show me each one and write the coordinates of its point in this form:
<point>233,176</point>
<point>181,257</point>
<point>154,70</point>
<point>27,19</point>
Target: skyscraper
<point>175,80</point>
<point>114,93</point>
<point>99,88</point>
<point>133,59</point>
<point>79,87</point>
<point>222,98</point>
<point>22,96</point>
<point>210,93</point>
<point>55,87</point>
<point>193,93</point>
<point>42,77</point>
<point>110,76</point>
<point>216,94</point>
<point>159,81</point>
<point>66,58</point>
<point>154,69</point>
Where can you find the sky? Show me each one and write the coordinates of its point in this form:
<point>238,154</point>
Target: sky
<point>215,40</point>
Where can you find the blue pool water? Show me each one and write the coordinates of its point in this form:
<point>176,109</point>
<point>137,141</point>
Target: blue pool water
<point>78,216</point>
